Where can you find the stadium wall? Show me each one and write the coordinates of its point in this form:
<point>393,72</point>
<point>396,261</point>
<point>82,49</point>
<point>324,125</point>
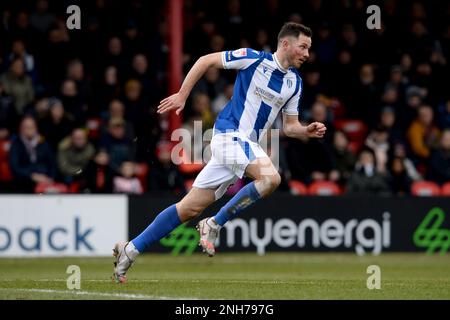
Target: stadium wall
<point>88,225</point>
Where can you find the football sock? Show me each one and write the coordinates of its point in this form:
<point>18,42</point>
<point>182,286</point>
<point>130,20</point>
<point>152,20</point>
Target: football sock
<point>165,221</point>
<point>243,199</point>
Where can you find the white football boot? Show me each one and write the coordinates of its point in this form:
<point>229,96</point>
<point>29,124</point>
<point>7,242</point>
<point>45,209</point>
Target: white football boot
<point>209,232</point>
<point>125,254</point>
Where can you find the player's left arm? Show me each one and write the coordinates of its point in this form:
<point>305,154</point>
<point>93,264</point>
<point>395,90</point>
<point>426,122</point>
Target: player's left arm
<point>294,129</point>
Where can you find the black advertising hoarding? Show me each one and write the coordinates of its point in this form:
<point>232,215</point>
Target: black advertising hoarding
<point>290,223</point>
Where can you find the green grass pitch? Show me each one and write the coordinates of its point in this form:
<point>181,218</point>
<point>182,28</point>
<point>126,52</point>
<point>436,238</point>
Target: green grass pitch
<point>233,276</point>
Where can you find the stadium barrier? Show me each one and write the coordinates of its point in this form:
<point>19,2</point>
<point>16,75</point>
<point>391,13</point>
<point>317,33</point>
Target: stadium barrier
<point>288,223</point>
<point>88,225</point>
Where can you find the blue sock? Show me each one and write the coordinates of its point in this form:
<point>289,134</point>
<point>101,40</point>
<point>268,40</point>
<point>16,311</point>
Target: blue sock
<point>243,199</point>
<point>164,222</point>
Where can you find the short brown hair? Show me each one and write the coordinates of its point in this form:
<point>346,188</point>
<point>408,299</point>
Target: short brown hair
<point>294,29</point>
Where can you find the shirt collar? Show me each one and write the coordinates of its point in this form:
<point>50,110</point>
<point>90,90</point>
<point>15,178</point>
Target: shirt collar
<point>279,64</point>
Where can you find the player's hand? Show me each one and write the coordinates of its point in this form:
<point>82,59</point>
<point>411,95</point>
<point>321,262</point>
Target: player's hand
<point>174,102</point>
<point>316,130</point>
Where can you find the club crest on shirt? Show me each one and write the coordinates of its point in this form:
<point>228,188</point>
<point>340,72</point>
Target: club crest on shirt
<point>239,53</point>
<point>289,83</point>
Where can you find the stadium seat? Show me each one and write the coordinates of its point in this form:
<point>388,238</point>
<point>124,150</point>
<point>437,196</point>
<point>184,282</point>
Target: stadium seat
<point>188,184</point>
<point>297,188</point>
<point>425,189</point>
<point>51,188</point>
<point>5,170</point>
<point>186,167</point>
<point>445,189</point>
<point>324,188</point>
<point>141,170</point>
<point>355,130</point>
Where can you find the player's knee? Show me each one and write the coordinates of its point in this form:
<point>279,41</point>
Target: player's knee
<point>190,212</point>
<point>270,183</point>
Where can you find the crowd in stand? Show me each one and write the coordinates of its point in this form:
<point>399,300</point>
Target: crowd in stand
<point>78,107</point>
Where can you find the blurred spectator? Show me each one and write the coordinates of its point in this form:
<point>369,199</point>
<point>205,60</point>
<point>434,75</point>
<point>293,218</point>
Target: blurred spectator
<point>222,99</point>
<point>72,101</point>
<point>74,154</point>
<point>388,120</point>
<point>18,51</point>
<point>18,84</point>
<point>99,174</point>
<point>365,179</point>
<point>31,159</point>
<point>75,72</point>
<point>444,115</point>
<point>140,71</point>
<point>212,83</point>
<point>365,96</point>
<point>41,19</point>
<point>164,175</point>
<point>440,160</point>
<point>344,159</point>
<point>8,114</point>
<point>116,109</point>
<point>115,56</point>
<point>399,179</point>
<point>398,150</point>
<point>127,181</point>
<point>201,111</point>
<point>117,145</point>
<point>135,103</point>
<point>57,124</point>
<point>107,88</point>
<point>414,98</point>
<point>422,134</point>
<point>378,142</point>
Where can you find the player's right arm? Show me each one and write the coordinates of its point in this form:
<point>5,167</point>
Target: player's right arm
<point>178,100</point>
<point>238,59</point>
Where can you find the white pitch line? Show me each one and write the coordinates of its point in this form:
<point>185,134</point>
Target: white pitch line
<point>170,280</point>
<point>100,294</point>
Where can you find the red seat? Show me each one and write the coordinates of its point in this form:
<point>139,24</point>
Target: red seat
<point>5,170</point>
<point>51,188</point>
<point>355,130</point>
<point>141,170</point>
<point>425,189</point>
<point>94,125</point>
<point>324,188</point>
<point>298,188</point>
<point>188,184</point>
<point>187,167</point>
<point>445,189</point>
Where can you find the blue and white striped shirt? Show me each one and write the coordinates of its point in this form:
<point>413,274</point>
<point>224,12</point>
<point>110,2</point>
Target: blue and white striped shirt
<point>262,88</point>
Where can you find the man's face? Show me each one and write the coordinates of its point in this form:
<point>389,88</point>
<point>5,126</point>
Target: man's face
<point>297,50</point>
<point>79,139</point>
<point>28,128</point>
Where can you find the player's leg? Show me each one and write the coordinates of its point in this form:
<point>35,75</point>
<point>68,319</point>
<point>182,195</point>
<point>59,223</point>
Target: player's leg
<point>265,180</point>
<point>188,208</point>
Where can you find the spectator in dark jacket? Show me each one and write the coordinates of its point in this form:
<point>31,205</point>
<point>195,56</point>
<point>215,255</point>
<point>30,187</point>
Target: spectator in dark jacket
<point>31,159</point>
<point>440,160</point>
<point>57,125</point>
<point>365,178</point>
<point>119,147</point>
